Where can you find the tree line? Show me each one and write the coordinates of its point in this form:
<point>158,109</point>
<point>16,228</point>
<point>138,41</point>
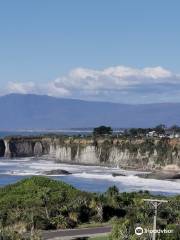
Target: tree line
<point>40,203</point>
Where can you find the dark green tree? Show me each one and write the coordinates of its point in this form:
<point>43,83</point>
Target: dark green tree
<point>102,130</point>
<point>160,129</point>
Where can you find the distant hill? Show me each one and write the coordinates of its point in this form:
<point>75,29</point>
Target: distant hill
<point>19,111</point>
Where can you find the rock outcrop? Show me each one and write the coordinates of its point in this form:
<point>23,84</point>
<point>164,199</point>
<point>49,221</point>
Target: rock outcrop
<point>2,148</point>
<point>142,153</point>
<point>56,172</point>
<point>26,146</point>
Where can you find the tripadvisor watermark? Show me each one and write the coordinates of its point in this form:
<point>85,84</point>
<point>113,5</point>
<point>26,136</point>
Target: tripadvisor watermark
<point>139,231</point>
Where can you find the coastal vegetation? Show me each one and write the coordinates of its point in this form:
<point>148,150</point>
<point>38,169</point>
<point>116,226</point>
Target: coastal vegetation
<point>102,130</point>
<point>40,203</point>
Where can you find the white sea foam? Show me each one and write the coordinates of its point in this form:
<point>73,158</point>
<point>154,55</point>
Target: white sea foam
<point>130,182</point>
<point>135,182</point>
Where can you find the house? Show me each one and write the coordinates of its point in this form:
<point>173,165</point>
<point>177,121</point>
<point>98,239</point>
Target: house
<point>152,134</point>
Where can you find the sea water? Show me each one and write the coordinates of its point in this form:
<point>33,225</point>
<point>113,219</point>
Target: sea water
<point>83,177</point>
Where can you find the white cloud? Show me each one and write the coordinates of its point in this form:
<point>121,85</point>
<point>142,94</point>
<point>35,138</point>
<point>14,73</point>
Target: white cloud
<point>126,72</point>
<point>52,90</point>
<point>112,84</point>
<point>119,77</point>
<point>29,87</point>
<point>15,87</point>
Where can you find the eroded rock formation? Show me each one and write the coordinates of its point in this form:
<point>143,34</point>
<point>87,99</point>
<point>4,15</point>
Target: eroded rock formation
<point>26,146</point>
<point>124,152</point>
<point>2,148</point>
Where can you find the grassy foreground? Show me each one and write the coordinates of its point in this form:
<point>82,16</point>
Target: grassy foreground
<point>40,203</point>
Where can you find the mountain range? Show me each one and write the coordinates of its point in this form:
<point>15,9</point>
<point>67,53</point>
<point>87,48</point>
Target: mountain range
<point>28,111</point>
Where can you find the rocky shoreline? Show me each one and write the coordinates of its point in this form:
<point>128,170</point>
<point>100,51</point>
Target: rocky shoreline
<point>126,153</point>
<point>161,175</point>
<point>57,172</point>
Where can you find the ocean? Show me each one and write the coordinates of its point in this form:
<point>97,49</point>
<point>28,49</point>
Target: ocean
<point>87,178</point>
<point>68,132</point>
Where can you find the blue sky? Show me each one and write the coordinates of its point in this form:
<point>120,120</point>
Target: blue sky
<point>109,50</point>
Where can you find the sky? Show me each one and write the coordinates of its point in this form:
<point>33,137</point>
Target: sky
<point>107,50</point>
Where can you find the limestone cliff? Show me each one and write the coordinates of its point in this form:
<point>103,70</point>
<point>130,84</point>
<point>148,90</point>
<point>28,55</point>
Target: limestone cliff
<point>124,152</point>
<point>2,148</point>
<point>26,146</point>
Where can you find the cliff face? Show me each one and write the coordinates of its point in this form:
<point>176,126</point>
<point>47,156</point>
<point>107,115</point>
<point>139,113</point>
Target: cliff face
<point>138,153</point>
<point>2,148</point>
<point>26,147</point>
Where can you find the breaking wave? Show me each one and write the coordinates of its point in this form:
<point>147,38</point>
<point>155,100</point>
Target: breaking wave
<point>83,176</point>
